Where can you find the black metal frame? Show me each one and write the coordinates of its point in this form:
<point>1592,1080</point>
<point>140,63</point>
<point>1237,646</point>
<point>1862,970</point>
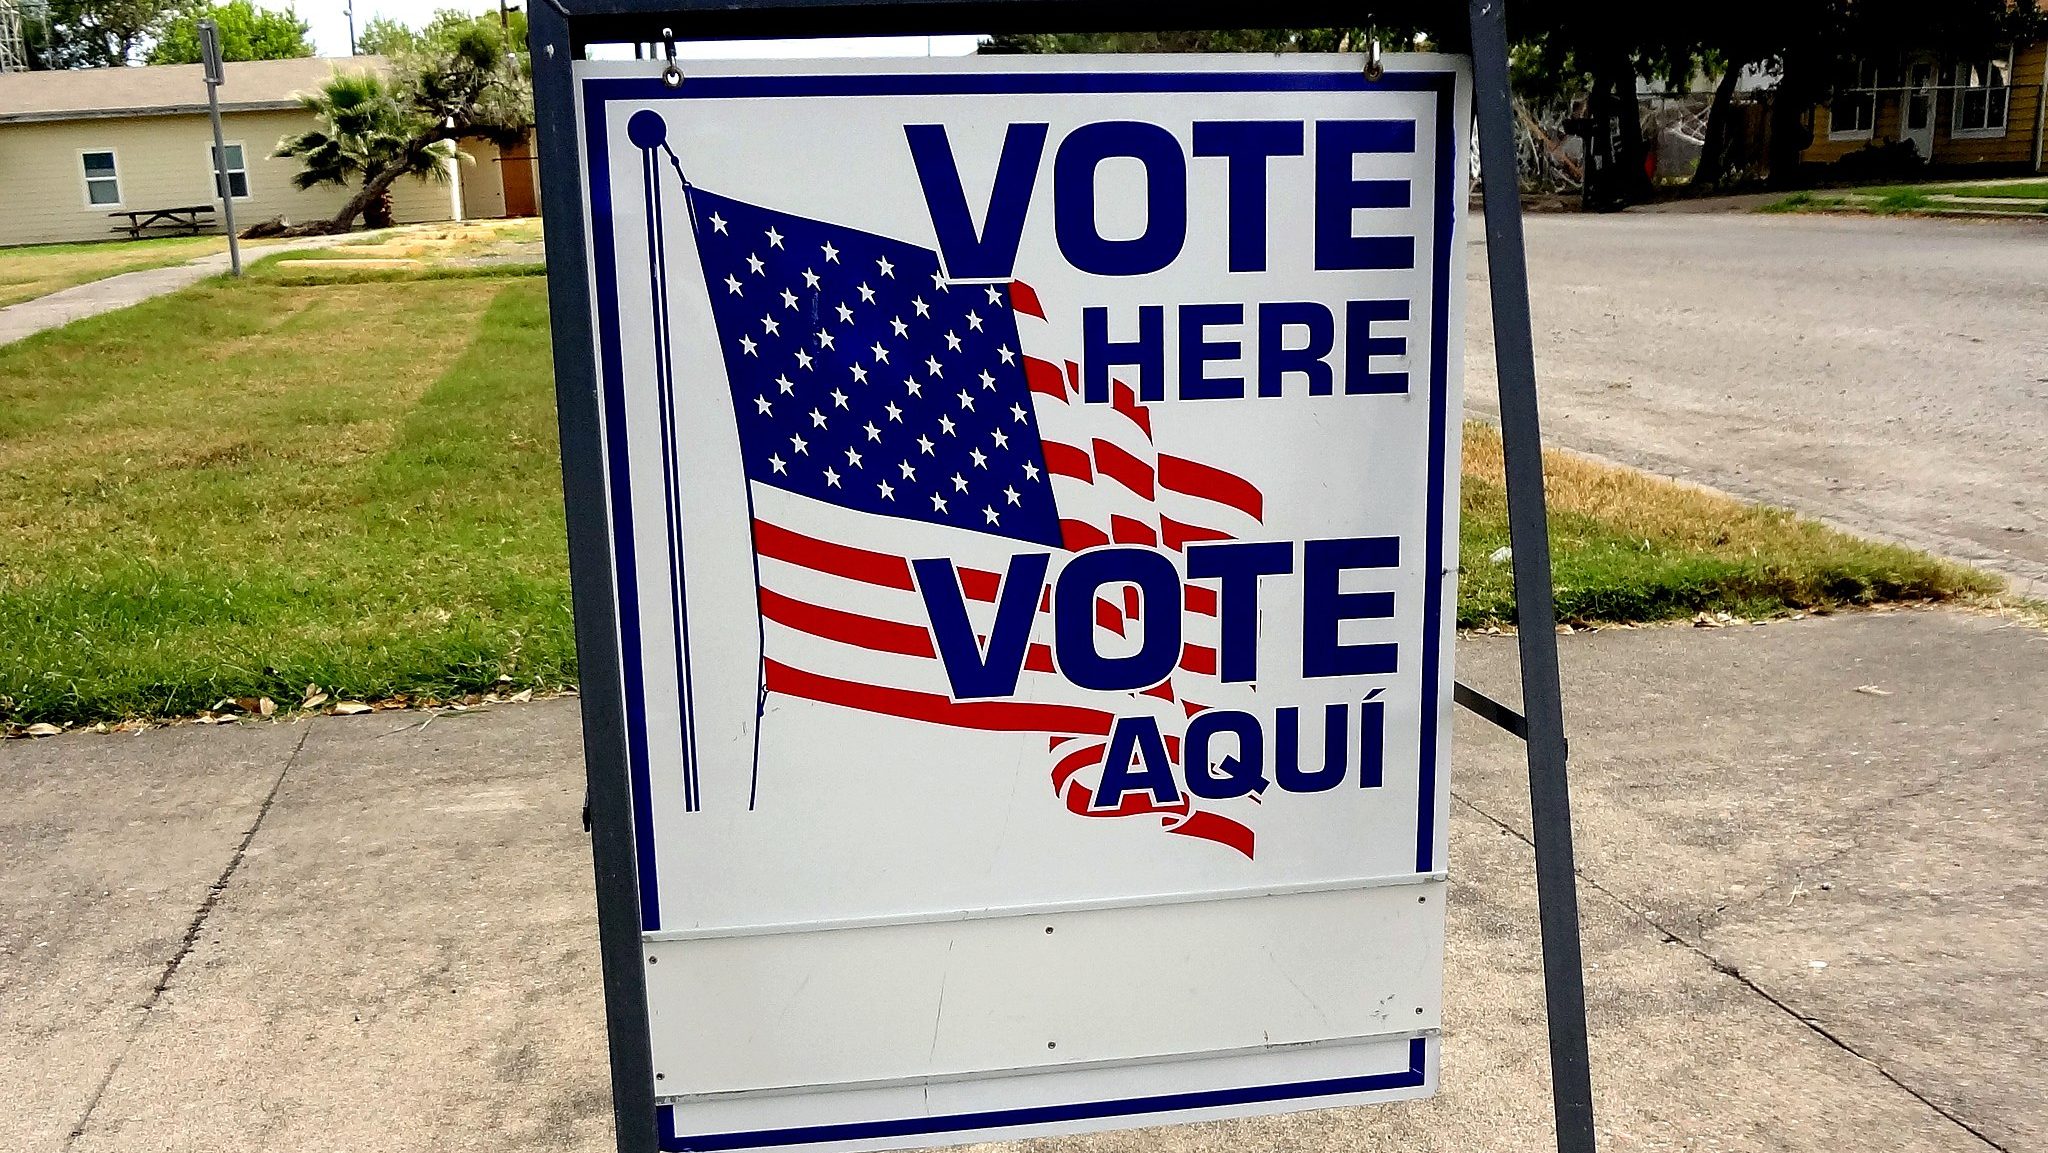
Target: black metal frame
<point>558,32</point>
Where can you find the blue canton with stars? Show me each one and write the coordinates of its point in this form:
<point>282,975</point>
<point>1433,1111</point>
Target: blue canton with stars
<point>862,378</point>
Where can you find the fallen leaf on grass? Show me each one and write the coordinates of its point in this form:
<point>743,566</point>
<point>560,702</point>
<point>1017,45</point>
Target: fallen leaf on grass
<point>349,708</point>
<point>215,718</point>
<point>521,697</point>
<point>266,706</point>
<point>42,729</point>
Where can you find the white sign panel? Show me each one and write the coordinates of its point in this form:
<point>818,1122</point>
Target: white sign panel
<point>1033,491</point>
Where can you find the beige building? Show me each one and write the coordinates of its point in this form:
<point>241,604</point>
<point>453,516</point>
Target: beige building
<point>79,147</point>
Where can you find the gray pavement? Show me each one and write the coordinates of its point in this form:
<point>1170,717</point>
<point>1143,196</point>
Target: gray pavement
<point>1889,375</point>
<point>1812,885</point>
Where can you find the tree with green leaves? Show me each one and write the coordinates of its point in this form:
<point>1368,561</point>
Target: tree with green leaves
<point>383,36</point>
<point>386,37</point>
<point>91,33</point>
<point>246,33</point>
<point>374,130</point>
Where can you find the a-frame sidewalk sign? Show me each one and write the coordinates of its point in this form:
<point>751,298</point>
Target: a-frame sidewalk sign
<point>1013,518</point>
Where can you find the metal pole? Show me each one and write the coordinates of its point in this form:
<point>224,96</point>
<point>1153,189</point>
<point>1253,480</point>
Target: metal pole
<point>216,75</point>
<point>610,802</point>
<point>1557,898</point>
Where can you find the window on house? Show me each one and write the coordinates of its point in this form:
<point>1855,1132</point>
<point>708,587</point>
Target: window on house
<point>235,173</point>
<point>1983,91</point>
<point>1852,111</point>
<point>102,184</point>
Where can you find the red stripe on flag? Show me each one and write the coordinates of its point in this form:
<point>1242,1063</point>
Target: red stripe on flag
<point>1211,827</point>
<point>1163,690</point>
<point>1124,530</point>
<point>1066,460</point>
<point>1109,616</point>
<point>1079,534</point>
<point>837,559</point>
<point>1044,378</point>
<point>1024,300</point>
<point>846,628</point>
<point>1198,659</point>
<point>1073,763</point>
<point>1196,479</point>
<point>1123,468</point>
<point>979,585</point>
<point>1125,401</point>
<point>1177,534</point>
<point>1038,658</point>
<point>998,716</point>
<point>1199,600</point>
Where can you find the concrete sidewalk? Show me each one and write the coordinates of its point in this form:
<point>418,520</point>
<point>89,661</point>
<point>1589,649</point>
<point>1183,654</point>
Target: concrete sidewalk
<point>18,321</point>
<point>1813,897</point>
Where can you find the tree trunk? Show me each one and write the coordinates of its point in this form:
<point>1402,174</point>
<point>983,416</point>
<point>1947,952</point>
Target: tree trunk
<point>1632,156</point>
<point>1714,150</point>
<point>1790,131</point>
<point>372,188</point>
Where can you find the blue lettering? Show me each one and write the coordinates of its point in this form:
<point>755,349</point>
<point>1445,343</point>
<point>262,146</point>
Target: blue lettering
<point>1154,771</point>
<point>1074,619</point>
<point>1276,360</point>
<point>1238,565</point>
<point>1325,607</point>
<point>1247,144</point>
<point>1287,771</point>
<point>991,254</point>
<point>1147,354</point>
<point>1196,351</point>
<point>1240,775</point>
<point>1360,346</point>
<point>1372,743</point>
<point>1339,194</point>
<point>1166,198</point>
<point>973,673</point>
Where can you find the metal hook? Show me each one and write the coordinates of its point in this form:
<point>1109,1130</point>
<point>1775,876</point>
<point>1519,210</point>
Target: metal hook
<point>1374,66</point>
<point>671,75</point>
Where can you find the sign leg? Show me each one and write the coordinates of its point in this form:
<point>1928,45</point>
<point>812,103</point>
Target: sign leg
<point>1536,614</point>
<point>597,652</point>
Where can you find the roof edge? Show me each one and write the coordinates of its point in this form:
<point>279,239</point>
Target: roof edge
<point>200,109</point>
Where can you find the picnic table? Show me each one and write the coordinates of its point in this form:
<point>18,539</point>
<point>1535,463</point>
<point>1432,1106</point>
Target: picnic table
<point>187,220</point>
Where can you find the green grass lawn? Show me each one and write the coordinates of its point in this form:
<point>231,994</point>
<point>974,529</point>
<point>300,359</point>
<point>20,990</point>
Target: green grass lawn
<point>1926,198</point>
<point>40,269</point>
<point>248,487</point>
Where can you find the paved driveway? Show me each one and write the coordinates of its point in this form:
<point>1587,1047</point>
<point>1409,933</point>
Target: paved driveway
<point>1890,375</point>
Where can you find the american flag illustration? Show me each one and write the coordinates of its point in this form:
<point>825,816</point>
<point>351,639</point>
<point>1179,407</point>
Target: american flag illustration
<point>867,385</point>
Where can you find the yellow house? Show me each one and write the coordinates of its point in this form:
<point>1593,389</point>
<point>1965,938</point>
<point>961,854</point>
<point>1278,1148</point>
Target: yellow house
<point>80,149</point>
<point>1985,111</point>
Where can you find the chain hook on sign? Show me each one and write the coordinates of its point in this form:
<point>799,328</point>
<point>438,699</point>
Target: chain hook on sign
<point>671,75</point>
<point>1374,66</point>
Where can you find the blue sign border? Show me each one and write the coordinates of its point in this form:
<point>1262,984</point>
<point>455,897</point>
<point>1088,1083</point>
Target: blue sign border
<point>599,92</point>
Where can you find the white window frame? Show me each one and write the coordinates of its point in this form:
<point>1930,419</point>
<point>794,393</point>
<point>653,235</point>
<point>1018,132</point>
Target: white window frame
<point>219,173</point>
<point>1866,74</point>
<point>2002,93</point>
<point>85,181</point>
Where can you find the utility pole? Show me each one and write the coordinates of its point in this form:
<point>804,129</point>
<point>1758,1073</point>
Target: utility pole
<point>209,51</point>
<point>505,11</point>
<point>348,11</point>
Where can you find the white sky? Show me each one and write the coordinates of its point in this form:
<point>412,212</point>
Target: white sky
<point>330,32</point>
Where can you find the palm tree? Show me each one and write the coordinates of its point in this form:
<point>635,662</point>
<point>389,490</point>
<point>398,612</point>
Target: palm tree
<point>377,130</point>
